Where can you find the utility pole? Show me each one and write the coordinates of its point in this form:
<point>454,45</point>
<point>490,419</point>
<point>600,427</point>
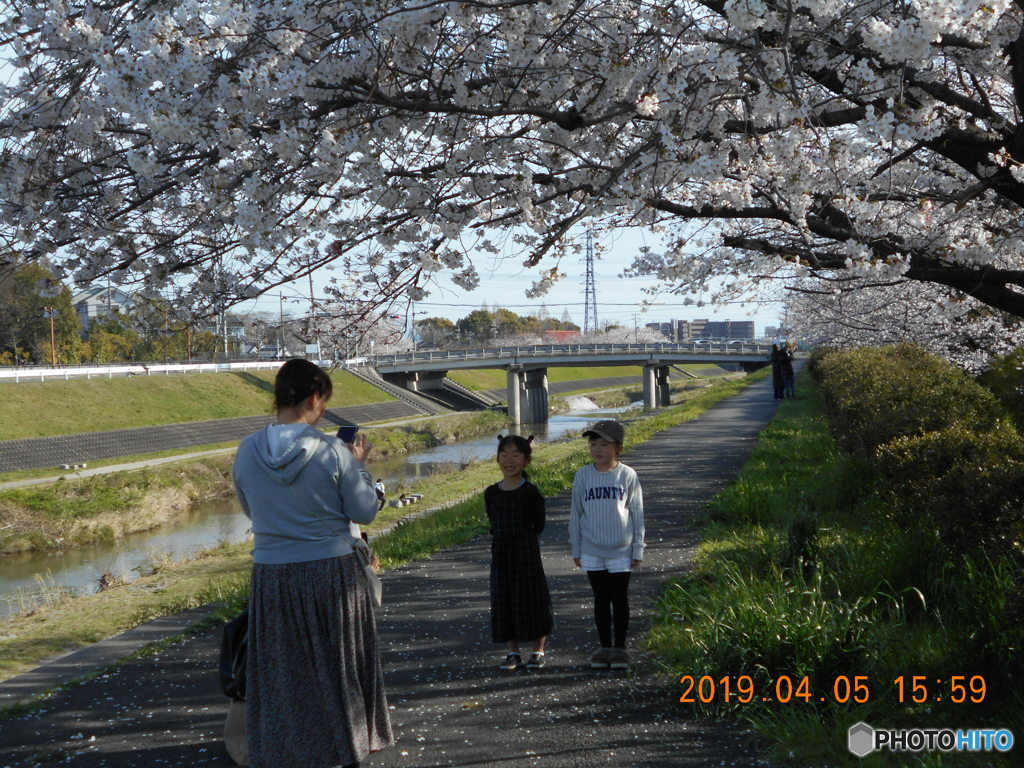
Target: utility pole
<point>313,326</point>
<point>49,291</point>
<point>412,324</point>
<point>51,312</point>
<point>280,327</point>
<point>590,290</point>
<point>227,350</point>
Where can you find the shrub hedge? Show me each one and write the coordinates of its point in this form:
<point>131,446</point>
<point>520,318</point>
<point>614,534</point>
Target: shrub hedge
<point>948,458</point>
<point>1005,379</point>
<point>874,395</point>
<point>968,486</point>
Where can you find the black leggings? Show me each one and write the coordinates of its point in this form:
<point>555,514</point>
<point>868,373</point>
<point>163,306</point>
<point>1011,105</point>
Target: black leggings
<point>611,594</point>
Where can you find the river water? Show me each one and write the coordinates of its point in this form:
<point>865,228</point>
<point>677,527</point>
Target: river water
<point>26,578</point>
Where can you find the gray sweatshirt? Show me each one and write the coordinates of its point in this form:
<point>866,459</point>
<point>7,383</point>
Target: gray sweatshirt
<point>302,490</point>
<point>607,515</point>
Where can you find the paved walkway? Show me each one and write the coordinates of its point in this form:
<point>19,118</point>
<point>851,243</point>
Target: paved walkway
<point>451,706</point>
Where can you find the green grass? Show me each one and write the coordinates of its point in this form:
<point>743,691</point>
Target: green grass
<point>798,575</point>
<point>89,405</point>
<point>222,573</point>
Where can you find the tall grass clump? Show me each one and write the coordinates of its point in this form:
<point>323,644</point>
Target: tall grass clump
<point>873,533</point>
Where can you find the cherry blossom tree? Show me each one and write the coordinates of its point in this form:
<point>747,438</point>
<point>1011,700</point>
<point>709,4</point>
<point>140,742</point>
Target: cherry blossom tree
<point>227,147</point>
<point>957,327</point>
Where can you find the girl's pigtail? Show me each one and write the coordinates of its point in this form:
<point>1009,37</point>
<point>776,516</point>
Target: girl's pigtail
<point>530,439</point>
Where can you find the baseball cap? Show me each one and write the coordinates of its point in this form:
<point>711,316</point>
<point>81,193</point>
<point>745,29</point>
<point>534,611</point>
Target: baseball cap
<point>611,431</point>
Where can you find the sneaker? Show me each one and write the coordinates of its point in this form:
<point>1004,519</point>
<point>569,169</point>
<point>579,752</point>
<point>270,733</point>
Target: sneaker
<point>601,658</point>
<point>536,661</point>
<point>512,661</point>
<point>619,659</point>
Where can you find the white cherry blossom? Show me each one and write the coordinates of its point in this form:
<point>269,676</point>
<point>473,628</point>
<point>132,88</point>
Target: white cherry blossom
<point>818,139</point>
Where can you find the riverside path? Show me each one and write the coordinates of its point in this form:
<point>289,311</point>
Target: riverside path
<point>451,706</point>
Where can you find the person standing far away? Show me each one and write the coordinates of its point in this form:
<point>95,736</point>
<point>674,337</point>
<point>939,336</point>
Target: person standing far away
<point>314,686</point>
<point>786,364</point>
<point>778,382</point>
<point>606,534</point>
<point>381,492</point>
<point>520,600</point>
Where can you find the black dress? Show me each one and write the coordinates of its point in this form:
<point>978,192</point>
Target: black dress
<point>520,601</point>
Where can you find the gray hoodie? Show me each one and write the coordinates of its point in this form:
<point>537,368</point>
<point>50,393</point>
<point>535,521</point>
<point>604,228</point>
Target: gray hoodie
<point>301,489</point>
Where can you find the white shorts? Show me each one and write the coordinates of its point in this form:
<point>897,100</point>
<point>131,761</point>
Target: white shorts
<point>616,565</point>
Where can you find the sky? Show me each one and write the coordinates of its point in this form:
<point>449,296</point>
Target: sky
<point>504,283</point>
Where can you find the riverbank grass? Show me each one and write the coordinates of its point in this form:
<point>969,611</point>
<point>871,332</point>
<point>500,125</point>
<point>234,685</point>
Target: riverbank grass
<point>93,405</point>
<point>79,511</point>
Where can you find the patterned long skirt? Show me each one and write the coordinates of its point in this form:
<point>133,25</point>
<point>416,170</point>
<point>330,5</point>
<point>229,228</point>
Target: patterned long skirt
<point>315,690</point>
<point>520,601</point>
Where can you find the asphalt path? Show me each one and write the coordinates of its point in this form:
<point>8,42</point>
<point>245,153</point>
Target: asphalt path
<point>451,706</point>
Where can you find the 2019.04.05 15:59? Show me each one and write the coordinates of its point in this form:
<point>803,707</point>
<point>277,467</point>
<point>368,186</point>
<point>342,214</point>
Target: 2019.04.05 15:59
<point>843,689</point>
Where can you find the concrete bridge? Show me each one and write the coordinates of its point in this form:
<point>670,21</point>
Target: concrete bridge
<point>527,367</point>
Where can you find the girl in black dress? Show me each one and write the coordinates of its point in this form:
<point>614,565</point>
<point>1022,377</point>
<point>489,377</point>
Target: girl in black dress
<point>520,601</point>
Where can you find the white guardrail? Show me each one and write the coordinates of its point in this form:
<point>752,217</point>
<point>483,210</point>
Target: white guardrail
<point>44,373</point>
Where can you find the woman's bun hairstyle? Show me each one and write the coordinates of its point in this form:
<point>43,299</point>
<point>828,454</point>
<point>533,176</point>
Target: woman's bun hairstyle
<point>297,379</point>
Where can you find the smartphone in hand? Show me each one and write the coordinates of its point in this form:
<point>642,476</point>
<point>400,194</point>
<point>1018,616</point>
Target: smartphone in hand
<point>347,433</point>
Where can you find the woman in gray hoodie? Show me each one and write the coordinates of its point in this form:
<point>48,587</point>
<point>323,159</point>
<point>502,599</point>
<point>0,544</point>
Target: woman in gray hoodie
<point>315,693</point>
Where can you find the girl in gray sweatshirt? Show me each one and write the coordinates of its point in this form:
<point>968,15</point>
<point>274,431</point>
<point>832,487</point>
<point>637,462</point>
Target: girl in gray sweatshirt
<point>606,534</point>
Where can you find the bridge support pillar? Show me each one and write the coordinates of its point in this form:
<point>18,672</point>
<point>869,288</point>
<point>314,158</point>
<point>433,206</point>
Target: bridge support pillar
<point>656,386</point>
<point>535,386</point>
<point>514,379</point>
<point>527,395</point>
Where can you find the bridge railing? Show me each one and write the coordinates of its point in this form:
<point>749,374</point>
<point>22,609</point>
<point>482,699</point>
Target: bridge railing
<point>88,371</point>
<point>543,350</point>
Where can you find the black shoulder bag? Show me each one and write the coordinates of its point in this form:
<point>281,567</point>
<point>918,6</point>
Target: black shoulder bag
<point>233,649</point>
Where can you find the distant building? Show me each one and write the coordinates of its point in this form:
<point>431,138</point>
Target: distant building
<point>698,329</point>
<point>100,301</point>
<point>561,337</point>
<point>682,331</point>
<point>730,329</point>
